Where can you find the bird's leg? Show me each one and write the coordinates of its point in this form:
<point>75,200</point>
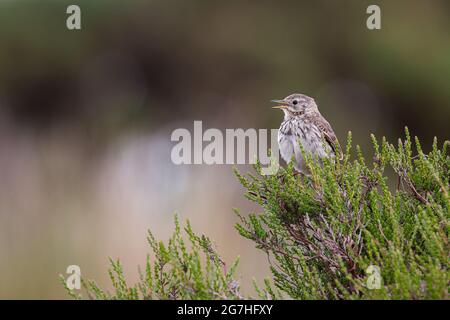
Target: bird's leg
<point>399,182</point>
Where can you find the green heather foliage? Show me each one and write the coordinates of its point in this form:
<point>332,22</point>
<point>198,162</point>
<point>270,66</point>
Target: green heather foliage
<point>180,270</point>
<point>322,233</point>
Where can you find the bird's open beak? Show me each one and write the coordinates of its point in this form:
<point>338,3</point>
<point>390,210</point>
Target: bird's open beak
<point>282,104</point>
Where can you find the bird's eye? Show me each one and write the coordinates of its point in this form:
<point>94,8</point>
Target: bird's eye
<point>295,102</point>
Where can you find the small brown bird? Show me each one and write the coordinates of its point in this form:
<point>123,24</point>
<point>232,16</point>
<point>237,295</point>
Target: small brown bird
<point>303,124</point>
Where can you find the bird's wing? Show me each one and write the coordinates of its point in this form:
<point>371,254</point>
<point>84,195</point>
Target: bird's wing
<point>328,134</point>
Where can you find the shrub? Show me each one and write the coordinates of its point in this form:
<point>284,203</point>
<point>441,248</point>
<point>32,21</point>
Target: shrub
<point>345,231</point>
<point>179,271</point>
<point>327,233</point>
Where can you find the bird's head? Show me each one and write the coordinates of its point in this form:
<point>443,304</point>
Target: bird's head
<point>296,104</point>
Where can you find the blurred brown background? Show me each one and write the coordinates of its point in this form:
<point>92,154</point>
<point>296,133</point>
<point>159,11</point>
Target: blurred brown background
<point>86,116</point>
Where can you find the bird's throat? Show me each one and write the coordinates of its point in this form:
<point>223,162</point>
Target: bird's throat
<point>290,114</point>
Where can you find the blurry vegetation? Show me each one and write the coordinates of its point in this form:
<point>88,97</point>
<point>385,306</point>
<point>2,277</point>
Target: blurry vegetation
<point>324,233</point>
<point>144,64</point>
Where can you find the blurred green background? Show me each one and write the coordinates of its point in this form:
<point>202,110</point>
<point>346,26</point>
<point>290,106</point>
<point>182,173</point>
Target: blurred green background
<point>86,116</point>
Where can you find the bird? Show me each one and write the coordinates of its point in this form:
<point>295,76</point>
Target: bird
<point>304,124</point>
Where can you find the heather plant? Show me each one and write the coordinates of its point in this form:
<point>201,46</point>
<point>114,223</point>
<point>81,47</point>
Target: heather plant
<point>182,269</point>
<point>325,233</point>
